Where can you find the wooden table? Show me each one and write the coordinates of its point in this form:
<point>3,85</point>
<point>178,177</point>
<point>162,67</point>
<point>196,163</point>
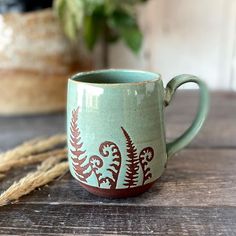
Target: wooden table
<point>195,196</point>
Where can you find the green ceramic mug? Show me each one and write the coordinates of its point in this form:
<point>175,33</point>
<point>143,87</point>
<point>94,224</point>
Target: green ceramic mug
<point>116,129</point>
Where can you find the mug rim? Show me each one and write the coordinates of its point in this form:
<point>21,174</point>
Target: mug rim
<point>156,77</point>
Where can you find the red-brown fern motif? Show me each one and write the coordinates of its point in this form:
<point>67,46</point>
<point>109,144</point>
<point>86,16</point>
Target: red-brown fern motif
<point>131,177</point>
<point>107,149</point>
<point>80,167</point>
<point>95,163</point>
<point>84,169</point>
<point>110,149</point>
<point>145,156</point>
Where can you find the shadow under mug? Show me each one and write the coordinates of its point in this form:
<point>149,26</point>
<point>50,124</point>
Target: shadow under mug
<point>116,129</point>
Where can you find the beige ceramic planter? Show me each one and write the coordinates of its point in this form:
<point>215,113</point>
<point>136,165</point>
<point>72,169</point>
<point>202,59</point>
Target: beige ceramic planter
<point>35,62</point>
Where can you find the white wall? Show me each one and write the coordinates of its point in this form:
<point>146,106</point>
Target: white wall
<point>186,36</point>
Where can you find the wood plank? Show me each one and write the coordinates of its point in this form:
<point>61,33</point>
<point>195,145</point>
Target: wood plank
<point>219,130</point>
<point>116,220</point>
<point>194,177</point>
<point>195,196</point>
<point>15,130</point>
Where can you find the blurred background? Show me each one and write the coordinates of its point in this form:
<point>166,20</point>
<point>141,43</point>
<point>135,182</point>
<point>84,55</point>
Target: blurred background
<point>43,42</point>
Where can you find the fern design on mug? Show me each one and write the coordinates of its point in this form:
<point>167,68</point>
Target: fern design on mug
<point>131,176</point>
<point>106,167</point>
<point>145,156</point>
<point>109,150</point>
<point>134,162</point>
<point>78,154</point>
<point>96,163</point>
<point>84,167</point>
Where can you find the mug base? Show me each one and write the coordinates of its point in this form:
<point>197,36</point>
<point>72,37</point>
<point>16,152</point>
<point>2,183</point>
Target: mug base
<point>117,193</point>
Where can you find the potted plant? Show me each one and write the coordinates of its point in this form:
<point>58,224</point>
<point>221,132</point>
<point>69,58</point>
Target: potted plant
<point>102,21</point>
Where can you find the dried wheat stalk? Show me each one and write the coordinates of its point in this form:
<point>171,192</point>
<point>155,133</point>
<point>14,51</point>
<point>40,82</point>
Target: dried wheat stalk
<point>45,173</point>
<point>6,165</point>
<point>33,147</point>
<point>50,162</point>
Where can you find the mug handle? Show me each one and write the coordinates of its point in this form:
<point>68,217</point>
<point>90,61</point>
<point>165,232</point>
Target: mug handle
<point>203,108</point>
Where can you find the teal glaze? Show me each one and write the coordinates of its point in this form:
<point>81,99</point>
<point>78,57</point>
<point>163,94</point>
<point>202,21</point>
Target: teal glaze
<point>192,131</point>
<point>110,101</point>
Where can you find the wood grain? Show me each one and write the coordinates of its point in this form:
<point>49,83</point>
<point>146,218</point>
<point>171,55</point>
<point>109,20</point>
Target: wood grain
<point>219,130</point>
<point>15,130</point>
<point>192,178</point>
<point>120,219</point>
<point>195,196</point>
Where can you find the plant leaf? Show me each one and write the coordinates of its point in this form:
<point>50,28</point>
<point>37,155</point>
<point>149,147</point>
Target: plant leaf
<point>59,6</point>
<point>76,9</point>
<point>70,14</point>
<point>111,19</point>
<point>128,28</point>
<point>70,27</point>
<point>133,38</point>
<point>91,31</point>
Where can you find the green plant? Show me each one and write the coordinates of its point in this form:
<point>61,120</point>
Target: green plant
<point>108,20</point>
